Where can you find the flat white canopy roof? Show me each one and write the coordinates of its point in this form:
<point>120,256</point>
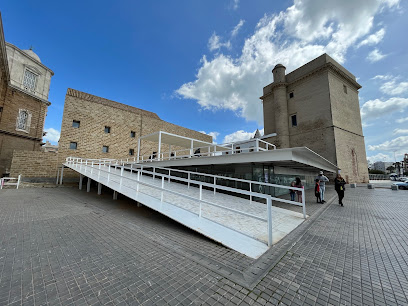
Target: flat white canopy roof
<point>180,141</point>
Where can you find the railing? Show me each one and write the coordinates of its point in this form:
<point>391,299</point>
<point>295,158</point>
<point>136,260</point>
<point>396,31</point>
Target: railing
<point>212,176</point>
<point>250,183</point>
<point>234,148</point>
<point>96,166</point>
<point>10,181</point>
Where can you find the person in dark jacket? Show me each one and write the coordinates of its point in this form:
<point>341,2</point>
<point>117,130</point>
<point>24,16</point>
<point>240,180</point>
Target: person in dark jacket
<point>317,192</point>
<point>339,186</point>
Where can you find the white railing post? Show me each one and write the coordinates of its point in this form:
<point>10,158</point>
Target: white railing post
<point>188,180</point>
<point>154,172</point>
<point>92,163</point>
<point>18,180</point>
<point>250,190</point>
<point>121,177</point>
<point>161,197</point>
<point>215,183</point>
<point>269,210</point>
<point>304,203</point>
<point>169,174</point>
<point>138,180</point>
<point>257,145</point>
<point>109,170</point>
<point>201,197</point>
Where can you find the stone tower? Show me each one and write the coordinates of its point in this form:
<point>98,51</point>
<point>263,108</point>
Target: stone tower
<point>317,106</point>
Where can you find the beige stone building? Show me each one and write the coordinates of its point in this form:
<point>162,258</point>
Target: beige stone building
<point>24,86</point>
<point>94,127</point>
<point>317,106</point>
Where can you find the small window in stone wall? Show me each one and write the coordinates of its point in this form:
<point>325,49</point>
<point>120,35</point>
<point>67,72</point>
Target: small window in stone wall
<point>105,149</point>
<point>291,95</point>
<point>132,134</point>
<point>23,121</point>
<point>293,119</point>
<point>345,88</point>
<point>73,145</point>
<point>107,129</point>
<point>30,80</point>
<point>76,123</point>
<point>131,152</point>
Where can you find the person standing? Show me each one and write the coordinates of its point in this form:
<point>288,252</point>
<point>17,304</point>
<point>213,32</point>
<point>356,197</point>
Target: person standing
<point>339,184</point>
<point>291,191</point>
<point>299,192</point>
<point>322,182</point>
<point>317,192</point>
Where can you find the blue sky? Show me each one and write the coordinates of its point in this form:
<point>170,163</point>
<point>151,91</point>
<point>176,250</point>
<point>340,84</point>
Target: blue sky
<point>203,64</point>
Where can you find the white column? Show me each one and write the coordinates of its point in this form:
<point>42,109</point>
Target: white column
<point>138,150</point>
<point>99,188</point>
<point>88,185</point>
<point>58,175</point>
<point>158,151</point>
<point>191,148</point>
<point>81,177</point>
<point>115,195</point>
<point>62,174</point>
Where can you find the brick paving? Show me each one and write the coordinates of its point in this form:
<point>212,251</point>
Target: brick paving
<point>62,246</point>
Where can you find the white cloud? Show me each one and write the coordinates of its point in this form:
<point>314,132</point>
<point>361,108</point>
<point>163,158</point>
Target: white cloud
<point>214,43</point>
<point>293,37</point>
<point>397,144</point>
<point>235,4</point>
<point>380,157</point>
<point>376,108</point>
<point>401,131</point>
<point>375,56</point>
<point>52,135</point>
<point>373,39</point>
<point>214,135</point>
<point>394,88</point>
<point>402,120</point>
<point>238,136</point>
<point>236,29</point>
<point>383,77</point>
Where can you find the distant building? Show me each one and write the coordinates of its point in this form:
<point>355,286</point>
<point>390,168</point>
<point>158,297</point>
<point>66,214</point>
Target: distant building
<point>317,106</point>
<point>48,147</point>
<point>382,166</point>
<point>24,87</point>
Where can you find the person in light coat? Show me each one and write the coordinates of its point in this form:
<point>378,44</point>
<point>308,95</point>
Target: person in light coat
<point>322,182</point>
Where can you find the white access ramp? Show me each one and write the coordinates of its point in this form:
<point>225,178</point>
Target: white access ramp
<point>235,219</point>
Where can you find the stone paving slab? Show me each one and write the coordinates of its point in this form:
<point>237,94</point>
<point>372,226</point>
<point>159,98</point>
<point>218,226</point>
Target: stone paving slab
<point>63,246</point>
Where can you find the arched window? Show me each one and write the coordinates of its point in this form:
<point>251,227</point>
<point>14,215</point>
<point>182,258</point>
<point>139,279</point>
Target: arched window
<point>23,120</point>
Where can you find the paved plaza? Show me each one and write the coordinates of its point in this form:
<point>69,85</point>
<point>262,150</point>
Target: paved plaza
<point>63,246</point>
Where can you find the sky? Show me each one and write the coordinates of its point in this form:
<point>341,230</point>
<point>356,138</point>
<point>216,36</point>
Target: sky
<point>202,64</point>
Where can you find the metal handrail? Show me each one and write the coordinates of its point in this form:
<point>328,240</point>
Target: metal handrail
<point>79,161</point>
<point>303,204</point>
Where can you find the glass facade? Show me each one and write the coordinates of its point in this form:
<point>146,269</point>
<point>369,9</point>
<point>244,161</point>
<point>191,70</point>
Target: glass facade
<point>254,172</point>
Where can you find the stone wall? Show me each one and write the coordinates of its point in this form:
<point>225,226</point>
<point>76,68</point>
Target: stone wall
<point>12,139</point>
<point>95,113</point>
<point>34,165</point>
